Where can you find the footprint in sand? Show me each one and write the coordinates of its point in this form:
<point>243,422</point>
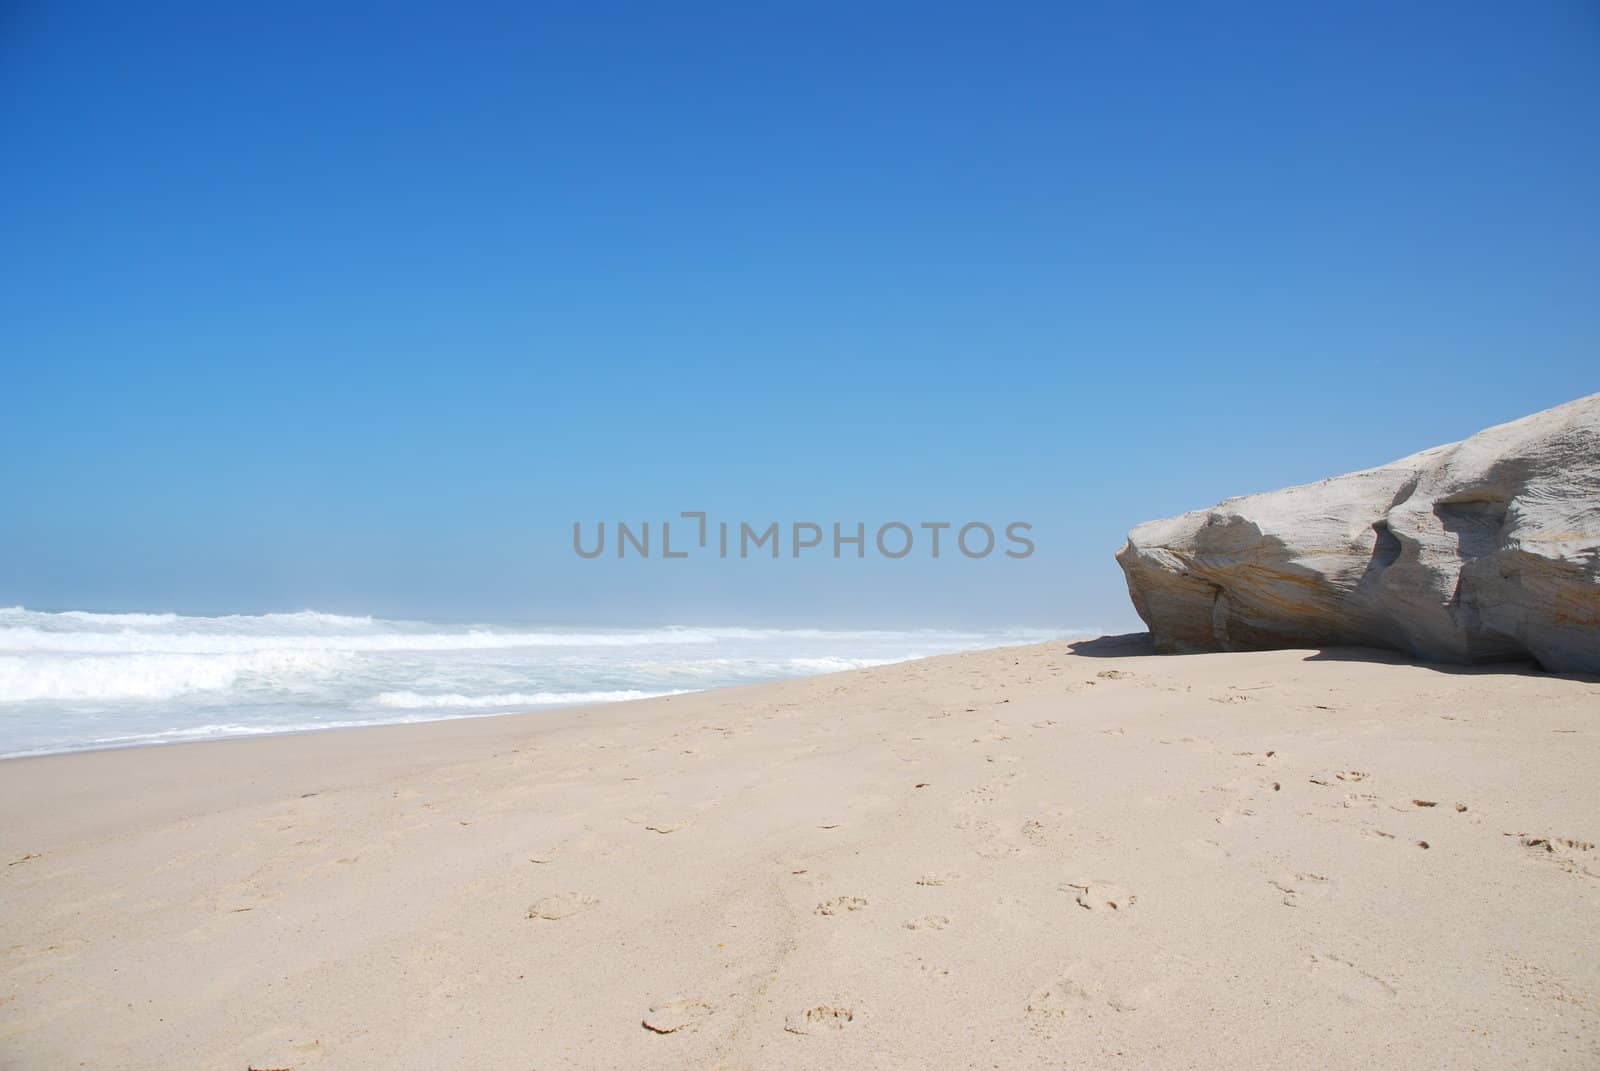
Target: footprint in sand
<point>680,1014</point>
<point>841,905</point>
<point>661,825</point>
<point>990,839</point>
<point>1202,848</point>
<point>1570,854</point>
<point>990,791</point>
<point>928,922</point>
<point>997,849</point>
<point>1231,815</point>
<point>1100,895</point>
<point>822,1017</point>
<point>1558,844</point>
<point>983,795</point>
<point>934,880</point>
<point>1080,990</point>
<point>1297,888</point>
<point>561,905</point>
<point>1347,980</point>
<point>1055,1001</point>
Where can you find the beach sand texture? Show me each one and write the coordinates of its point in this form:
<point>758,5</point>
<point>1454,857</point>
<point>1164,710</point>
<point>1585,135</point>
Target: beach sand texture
<point>1017,858</point>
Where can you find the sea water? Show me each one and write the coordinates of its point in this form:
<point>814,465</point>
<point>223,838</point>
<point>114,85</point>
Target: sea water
<point>74,680</point>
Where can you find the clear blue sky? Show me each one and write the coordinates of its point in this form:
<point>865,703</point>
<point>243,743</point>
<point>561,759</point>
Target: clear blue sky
<point>361,311</point>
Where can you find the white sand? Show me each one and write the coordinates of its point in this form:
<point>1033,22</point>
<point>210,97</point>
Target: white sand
<point>1019,858</point>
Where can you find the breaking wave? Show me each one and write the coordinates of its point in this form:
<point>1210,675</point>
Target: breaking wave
<point>79,679</point>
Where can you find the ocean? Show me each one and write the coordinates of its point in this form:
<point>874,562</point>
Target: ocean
<point>75,680</point>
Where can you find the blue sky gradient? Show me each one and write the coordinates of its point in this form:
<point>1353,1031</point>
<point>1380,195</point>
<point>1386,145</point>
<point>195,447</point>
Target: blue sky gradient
<point>360,309</point>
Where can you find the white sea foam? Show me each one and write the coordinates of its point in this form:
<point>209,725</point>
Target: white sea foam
<point>836,664</point>
<point>79,679</point>
<point>512,700</point>
<point>27,638</point>
<point>157,675</point>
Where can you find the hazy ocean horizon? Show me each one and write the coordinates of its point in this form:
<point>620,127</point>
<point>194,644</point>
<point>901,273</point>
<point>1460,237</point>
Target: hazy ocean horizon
<point>76,680</point>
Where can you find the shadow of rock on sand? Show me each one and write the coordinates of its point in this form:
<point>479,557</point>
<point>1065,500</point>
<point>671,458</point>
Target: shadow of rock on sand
<point>1126,645</point>
<point>1138,644</point>
<point>1521,668</point>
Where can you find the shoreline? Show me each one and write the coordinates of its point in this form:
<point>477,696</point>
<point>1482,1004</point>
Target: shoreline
<point>1135,643</point>
<point>82,681</point>
<point>269,734</point>
<point>988,857</point>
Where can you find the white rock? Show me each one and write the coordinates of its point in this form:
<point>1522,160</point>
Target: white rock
<point>1484,550</point>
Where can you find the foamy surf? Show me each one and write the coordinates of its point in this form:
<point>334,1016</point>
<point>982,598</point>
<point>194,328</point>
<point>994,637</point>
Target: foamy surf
<point>77,679</point>
<point>457,701</point>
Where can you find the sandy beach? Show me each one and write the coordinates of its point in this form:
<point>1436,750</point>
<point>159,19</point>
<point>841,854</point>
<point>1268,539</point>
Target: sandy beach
<point>800,538</point>
<point>1029,857</point>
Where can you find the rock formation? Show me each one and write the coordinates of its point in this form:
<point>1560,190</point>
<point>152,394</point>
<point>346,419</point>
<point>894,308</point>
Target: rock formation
<point>1484,550</point>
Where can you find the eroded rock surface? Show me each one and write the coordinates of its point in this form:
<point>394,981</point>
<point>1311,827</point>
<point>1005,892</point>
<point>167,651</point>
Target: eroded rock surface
<point>1483,550</point>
